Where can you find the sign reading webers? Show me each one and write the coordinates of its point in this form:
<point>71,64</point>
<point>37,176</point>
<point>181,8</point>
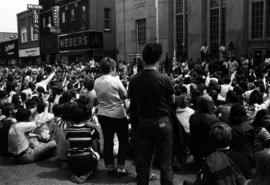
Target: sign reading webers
<point>35,12</point>
<point>86,40</point>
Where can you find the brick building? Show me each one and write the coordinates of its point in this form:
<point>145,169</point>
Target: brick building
<point>28,39</point>
<point>77,29</point>
<point>242,26</point>
<point>8,48</point>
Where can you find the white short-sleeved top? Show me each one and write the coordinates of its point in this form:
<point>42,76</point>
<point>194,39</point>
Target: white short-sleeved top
<point>109,89</point>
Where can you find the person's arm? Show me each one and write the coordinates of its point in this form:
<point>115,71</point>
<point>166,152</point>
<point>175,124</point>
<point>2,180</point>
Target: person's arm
<point>232,78</point>
<point>26,126</point>
<point>121,89</point>
<point>47,81</point>
<point>207,80</point>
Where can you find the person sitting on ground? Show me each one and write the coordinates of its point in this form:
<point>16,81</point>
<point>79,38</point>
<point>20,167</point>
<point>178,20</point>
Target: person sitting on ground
<point>183,112</point>
<point>60,134</point>
<point>6,120</point>
<point>82,158</point>
<point>223,111</point>
<point>223,166</point>
<point>200,124</point>
<point>242,131</point>
<point>262,176</point>
<point>19,143</point>
<point>261,136</point>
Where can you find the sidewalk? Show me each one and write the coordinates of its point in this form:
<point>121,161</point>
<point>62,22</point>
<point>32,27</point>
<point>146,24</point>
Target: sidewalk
<point>48,172</point>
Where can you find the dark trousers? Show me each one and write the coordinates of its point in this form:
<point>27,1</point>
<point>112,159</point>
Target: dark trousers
<point>110,126</point>
<point>154,134</point>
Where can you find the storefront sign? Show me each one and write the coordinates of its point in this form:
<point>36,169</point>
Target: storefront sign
<point>9,49</point>
<point>82,40</point>
<point>30,52</point>
<point>33,6</point>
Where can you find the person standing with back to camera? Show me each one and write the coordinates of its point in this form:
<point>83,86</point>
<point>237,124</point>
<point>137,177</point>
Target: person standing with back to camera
<point>153,94</point>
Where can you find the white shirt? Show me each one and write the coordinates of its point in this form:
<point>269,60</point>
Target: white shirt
<point>183,116</point>
<point>109,89</point>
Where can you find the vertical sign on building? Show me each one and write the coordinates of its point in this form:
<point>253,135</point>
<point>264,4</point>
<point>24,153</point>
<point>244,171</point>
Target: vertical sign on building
<point>35,21</point>
<point>56,21</point>
<point>35,11</point>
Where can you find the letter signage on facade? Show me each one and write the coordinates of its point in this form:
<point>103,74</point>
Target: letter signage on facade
<point>55,12</point>
<point>81,40</point>
<point>33,6</point>
<point>36,21</point>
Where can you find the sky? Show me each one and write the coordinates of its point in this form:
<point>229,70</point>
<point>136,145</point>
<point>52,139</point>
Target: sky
<point>8,13</point>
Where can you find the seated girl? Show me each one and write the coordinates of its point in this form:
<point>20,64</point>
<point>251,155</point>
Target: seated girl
<point>82,158</point>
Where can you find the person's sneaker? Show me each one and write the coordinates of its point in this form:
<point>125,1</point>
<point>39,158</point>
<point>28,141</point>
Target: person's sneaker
<point>153,177</point>
<point>74,178</point>
<point>120,172</point>
<point>82,179</point>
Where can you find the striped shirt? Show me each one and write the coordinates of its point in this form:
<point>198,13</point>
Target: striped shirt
<point>261,140</point>
<point>80,139</point>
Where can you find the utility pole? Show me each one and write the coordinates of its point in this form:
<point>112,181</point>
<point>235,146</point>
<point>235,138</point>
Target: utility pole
<point>124,19</point>
<point>157,21</point>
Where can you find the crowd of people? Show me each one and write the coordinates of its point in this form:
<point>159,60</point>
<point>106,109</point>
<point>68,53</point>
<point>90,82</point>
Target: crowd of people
<point>212,117</point>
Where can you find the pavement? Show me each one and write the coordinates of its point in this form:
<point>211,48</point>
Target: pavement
<point>49,172</point>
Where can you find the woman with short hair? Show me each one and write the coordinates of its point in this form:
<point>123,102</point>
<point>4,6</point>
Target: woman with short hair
<point>112,116</point>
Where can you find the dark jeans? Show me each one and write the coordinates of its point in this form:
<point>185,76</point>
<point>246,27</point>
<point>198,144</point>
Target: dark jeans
<point>110,126</point>
<point>154,134</point>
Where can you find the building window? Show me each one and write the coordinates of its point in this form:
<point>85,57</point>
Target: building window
<point>141,31</point>
<point>257,19</point>
<point>83,13</point>
<point>267,32</point>
<point>44,22</point>
<point>24,35</point>
<point>181,27</point>
<point>223,27</point>
<point>33,35</point>
<point>214,31</point>
<point>217,26</point>
<point>50,20</point>
<point>107,19</point>
<point>63,17</point>
<point>72,14</point>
